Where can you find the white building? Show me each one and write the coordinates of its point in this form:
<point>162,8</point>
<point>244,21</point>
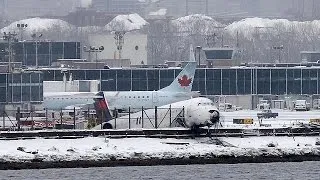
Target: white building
<point>134,47</point>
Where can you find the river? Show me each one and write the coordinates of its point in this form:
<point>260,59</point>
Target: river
<point>288,170</point>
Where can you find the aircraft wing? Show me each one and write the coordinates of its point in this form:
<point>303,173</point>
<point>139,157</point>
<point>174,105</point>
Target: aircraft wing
<point>78,106</point>
<point>192,94</point>
<point>66,94</point>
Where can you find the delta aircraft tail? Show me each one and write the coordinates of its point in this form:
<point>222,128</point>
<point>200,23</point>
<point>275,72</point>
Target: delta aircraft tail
<point>183,82</point>
<point>102,109</point>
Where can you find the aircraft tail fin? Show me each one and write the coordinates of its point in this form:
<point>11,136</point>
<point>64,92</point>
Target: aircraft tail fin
<point>183,82</point>
<point>102,108</point>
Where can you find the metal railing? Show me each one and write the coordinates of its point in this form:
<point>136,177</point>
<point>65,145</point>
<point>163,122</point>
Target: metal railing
<point>155,118</point>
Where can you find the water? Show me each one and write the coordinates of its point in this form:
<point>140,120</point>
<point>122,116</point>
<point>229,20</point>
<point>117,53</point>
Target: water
<point>282,171</point>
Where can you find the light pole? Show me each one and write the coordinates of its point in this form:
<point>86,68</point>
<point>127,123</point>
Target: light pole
<point>10,37</point>
<point>21,27</point>
<point>36,38</point>
<point>199,50</point>
<point>280,48</point>
<point>93,49</point>
<point>119,41</point>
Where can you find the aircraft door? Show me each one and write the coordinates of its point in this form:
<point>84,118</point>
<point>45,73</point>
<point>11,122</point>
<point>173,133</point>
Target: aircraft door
<point>155,97</point>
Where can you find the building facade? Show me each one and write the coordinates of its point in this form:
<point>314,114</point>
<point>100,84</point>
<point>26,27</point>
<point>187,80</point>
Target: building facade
<point>20,87</point>
<point>43,53</point>
<point>134,47</point>
<point>209,81</point>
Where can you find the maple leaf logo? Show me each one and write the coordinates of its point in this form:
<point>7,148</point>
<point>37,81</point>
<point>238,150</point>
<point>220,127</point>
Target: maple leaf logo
<point>184,81</point>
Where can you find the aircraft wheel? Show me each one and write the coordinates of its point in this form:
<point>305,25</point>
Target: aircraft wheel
<point>107,126</point>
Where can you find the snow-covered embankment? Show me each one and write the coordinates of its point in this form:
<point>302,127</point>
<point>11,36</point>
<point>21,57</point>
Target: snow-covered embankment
<point>99,151</point>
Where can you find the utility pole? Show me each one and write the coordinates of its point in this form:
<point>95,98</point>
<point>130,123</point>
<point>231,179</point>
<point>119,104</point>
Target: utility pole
<point>36,38</point>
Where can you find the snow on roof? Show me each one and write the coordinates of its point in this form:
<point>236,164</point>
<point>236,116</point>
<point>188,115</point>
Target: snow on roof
<point>38,25</point>
<point>126,23</point>
<point>160,12</point>
<point>197,23</point>
<point>249,26</point>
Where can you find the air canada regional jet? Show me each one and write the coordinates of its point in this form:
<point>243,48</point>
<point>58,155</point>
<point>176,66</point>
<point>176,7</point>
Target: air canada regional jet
<point>178,90</point>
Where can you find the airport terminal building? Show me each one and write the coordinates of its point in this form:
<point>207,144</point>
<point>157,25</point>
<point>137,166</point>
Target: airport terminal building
<point>240,80</point>
<point>242,86</point>
<point>220,77</point>
<point>21,87</point>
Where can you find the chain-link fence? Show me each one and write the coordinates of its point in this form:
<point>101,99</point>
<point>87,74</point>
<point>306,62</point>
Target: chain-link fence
<point>75,118</point>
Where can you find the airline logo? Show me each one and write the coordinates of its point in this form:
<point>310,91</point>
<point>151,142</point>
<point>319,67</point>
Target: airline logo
<point>184,81</point>
<point>102,105</point>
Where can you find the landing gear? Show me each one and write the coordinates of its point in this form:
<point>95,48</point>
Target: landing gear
<point>107,126</point>
<point>195,130</point>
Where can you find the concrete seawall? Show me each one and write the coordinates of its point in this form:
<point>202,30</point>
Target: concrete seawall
<point>210,159</point>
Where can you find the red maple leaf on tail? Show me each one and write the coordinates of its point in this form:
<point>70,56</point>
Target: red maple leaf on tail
<point>185,81</point>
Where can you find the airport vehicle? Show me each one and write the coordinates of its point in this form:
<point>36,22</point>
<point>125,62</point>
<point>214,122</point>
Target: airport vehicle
<point>191,113</point>
<point>178,90</point>
<point>267,113</point>
<point>301,105</point>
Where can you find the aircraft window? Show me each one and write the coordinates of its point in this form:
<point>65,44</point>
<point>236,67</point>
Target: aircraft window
<point>142,96</point>
<point>129,96</point>
<point>134,97</point>
<point>138,96</point>
<point>147,96</point>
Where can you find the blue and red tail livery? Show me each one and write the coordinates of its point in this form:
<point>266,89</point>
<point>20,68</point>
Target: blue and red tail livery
<point>102,108</point>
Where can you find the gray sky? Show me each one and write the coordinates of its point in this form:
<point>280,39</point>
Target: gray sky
<point>308,9</point>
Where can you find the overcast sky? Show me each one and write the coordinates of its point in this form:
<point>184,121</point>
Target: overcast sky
<point>18,9</point>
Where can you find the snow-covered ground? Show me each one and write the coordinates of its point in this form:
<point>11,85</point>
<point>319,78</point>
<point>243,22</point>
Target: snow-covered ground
<point>100,148</point>
<point>286,118</point>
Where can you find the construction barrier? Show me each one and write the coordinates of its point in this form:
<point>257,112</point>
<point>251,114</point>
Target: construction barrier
<point>243,121</point>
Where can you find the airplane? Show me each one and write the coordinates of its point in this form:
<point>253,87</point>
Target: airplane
<point>178,90</point>
<point>192,113</point>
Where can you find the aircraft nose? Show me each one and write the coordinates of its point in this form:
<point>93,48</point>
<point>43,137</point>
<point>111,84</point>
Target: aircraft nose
<point>214,113</point>
<point>214,116</point>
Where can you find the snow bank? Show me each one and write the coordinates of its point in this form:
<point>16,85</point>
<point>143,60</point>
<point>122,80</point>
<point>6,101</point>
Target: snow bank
<point>126,23</point>
<point>95,149</point>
